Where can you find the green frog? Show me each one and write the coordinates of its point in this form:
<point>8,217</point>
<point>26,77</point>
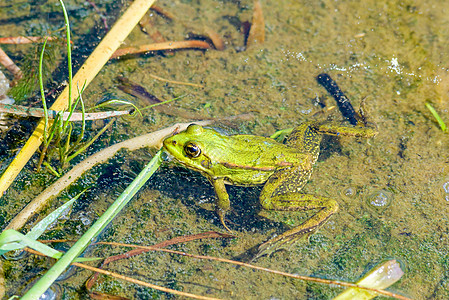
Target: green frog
<point>249,160</point>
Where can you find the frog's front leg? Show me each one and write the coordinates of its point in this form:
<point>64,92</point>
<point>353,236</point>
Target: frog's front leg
<point>330,128</point>
<point>222,200</point>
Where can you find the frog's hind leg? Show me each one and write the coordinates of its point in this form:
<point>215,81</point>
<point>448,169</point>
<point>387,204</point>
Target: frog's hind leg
<point>326,208</point>
<point>283,195</point>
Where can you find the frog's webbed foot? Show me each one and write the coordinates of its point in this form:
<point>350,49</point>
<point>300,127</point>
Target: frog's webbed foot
<point>278,243</point>
<point>295,201</point>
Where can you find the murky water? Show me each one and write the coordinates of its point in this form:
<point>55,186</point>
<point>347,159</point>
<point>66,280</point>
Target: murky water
<point>392,189</point>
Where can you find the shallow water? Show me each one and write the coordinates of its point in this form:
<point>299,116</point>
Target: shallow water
<point>392,189</point>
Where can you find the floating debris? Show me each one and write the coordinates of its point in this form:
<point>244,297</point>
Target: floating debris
<point>189,44</point>
<point>147,26</point>
<point>10,65</point>
<point>215,39</point>
<point>15,40</point>
<point>380,277</point>
<point>26,111</point>
<point>256,34</point>
<point>343,102</point>
<point>4,87</point>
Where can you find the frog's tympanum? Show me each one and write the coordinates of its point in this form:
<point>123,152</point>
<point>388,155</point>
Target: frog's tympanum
<point>254,160</point>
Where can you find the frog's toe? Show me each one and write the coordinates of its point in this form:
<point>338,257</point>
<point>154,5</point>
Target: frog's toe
<point>227,228</point>
<point>222,220</point>
<point>279,243</point>
<point>272,246</point>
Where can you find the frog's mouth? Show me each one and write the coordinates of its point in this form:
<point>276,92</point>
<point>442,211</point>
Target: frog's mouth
<point>172,158</point>
<point>167,156</point>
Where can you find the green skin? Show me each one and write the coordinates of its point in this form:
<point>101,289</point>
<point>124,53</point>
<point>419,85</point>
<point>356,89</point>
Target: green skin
<point>249,160</point>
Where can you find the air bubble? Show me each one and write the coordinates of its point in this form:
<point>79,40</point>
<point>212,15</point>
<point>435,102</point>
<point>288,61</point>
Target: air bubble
<point>379,199</point>
<point>349,192</point>
<point>49,294</point>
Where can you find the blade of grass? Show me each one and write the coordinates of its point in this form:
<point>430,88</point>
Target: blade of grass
<point>86,145</point>
<point>83,126</point>
<point>36,231</point>
<point>41,85</point>
<point>117,101</point>
<point>437,117</point>
<point>44,283</point>
<point>69,54</point>
<point>87,73</point>
<point>13,240</point>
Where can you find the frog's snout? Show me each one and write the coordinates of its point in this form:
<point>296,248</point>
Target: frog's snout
<point>169,142</point>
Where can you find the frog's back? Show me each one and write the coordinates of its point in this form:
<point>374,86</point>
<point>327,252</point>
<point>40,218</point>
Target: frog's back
<point>250,160</point>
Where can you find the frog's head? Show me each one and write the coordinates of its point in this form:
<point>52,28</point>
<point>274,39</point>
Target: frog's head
<point>187,147</point>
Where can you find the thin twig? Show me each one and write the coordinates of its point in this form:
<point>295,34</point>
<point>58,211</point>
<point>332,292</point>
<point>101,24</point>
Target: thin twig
<point>25,111</point>
<point>136,281</point>
<point>163,12</point>
<point>15,40</point>
<point>8,63</point>
<point>175,82</point>
<point>238,263</point>
<point>147,26</point>
<point>190,44</point>
<point>129,279</point>
<point>177,240</point>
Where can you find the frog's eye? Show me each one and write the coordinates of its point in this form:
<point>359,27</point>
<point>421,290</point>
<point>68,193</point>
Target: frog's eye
<point>192,150</point>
